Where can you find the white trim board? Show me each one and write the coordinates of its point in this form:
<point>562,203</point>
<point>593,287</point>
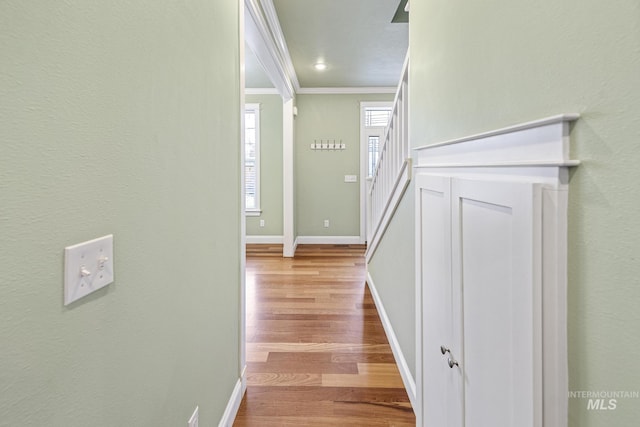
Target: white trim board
<point>259,35</point>
<point>403,366</point>
<point>242,362</point>
<point>231,410</point>
<point>365,180</point>
<point>261,91</point>
<point>344,90</point>
<point>535,152</point>
<point>558,118</point>
<point>324,91</point>
<point>258,239</point>
<point>271,16</point>
<point>375,104</point>
<point>288,174</point>
<point>328,240</point>
<point>543,142</point>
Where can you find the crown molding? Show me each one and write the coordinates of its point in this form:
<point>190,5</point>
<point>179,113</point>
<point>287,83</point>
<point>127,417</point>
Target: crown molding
<point>265,38</point>
<point>258,35</point>
<point>276,30</point>
<point>344,90</point>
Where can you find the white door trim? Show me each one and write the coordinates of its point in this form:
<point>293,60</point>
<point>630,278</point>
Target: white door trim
<point>288,195</point>
<point>243,227</point>
<point>364,188</point>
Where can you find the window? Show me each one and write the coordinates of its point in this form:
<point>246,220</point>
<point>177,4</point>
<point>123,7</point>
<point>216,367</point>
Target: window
<point>252,158</point>
<point>376,119</point>
<point>373,151</point>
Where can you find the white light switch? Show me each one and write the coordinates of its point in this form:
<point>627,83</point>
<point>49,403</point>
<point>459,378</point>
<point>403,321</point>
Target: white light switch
<point>88,266</point>
<point>351,178</point>
<point>193,421</point>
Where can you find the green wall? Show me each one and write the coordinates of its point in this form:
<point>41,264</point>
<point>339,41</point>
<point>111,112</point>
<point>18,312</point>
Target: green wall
<point>392,270</point>
<point>271,186</point>
<point>123,118</point>
<point>478,66</point>
<point>321,192</point>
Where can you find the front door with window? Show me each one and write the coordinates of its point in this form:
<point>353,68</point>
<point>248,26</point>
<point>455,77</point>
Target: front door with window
<point>375,118</point>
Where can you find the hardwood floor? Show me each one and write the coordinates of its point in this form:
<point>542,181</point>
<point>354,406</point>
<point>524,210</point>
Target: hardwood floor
<point>317,354</point>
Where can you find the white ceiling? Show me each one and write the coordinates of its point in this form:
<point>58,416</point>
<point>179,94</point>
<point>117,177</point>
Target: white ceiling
<point>355,38</point>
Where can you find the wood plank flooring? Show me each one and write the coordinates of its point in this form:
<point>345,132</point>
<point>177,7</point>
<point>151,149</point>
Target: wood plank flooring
<point>317,354</point>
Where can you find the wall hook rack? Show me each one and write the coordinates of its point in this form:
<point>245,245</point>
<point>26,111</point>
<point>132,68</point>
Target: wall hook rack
<point>328,145</point>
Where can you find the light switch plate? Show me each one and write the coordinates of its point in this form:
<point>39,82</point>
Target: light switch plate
<point>351,178</point>
<point>88,266</point>
<point>193,421</point>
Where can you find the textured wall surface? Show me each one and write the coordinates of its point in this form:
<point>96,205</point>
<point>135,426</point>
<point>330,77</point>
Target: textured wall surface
<point>321,192</point>
<point>392,269</point>
<point>485,65</point>
<point>123,118</point>
<point>270,166</point>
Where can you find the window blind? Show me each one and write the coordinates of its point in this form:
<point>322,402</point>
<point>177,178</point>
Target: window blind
<point>377,117</point>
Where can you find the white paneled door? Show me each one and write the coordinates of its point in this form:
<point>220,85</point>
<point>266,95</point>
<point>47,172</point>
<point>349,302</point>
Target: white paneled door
<point>481,332</point>
<point>495,254</point>
<point>491,277</point>
<point>441,385</point>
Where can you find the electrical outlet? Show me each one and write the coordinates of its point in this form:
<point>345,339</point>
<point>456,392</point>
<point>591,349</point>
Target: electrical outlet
<point>262,223</point>
<point>193,421</point>
<point>326,223</point>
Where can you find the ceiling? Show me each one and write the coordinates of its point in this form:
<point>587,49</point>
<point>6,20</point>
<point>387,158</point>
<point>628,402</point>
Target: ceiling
<point>356,39</point>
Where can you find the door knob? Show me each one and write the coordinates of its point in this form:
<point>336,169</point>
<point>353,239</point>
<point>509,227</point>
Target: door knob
<point>444,350</point>
<point>452,363</point>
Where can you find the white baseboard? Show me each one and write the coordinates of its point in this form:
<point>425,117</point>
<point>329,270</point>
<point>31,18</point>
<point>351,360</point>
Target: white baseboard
<point>403,367</point>
<point>328,240</point>
<point>233,405</point>
<point>265,239</point>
